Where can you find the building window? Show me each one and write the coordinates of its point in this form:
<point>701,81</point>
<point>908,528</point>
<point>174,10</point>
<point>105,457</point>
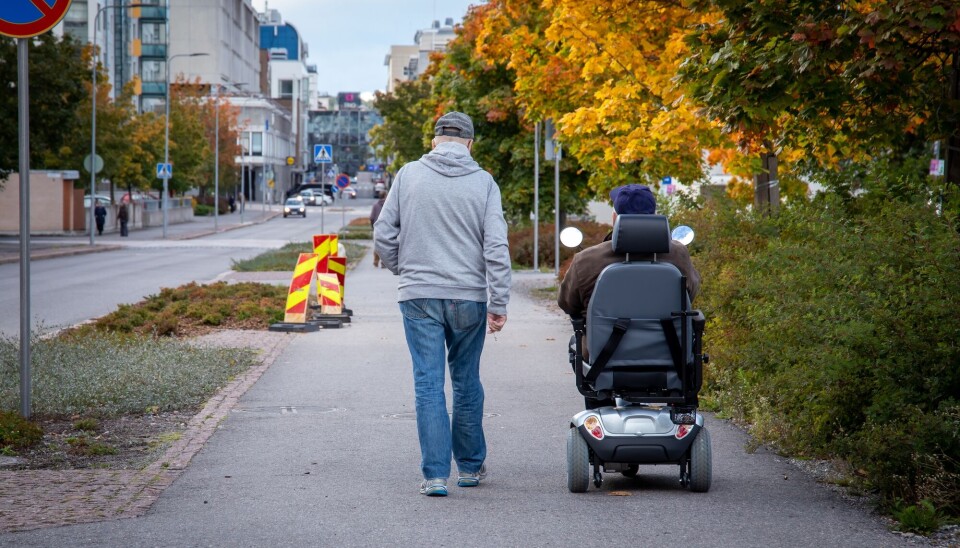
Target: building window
<point>257,148</point>
<point>286,89</point>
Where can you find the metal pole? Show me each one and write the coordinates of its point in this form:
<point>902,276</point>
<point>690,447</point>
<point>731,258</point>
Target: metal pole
<point>536,197</point>
<point>216,161</point>
<point>251,171</point>
<point>166,122</point>
<point>23,94</point>
<point>556,210</point>
<point>93,128</point>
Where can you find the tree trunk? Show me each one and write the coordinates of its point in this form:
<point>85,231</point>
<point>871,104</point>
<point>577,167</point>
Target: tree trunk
<point>766,184</point>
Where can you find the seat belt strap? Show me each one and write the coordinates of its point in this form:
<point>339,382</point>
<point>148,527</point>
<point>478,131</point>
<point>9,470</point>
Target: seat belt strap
<point>673,341</point>
<point>619,328</point>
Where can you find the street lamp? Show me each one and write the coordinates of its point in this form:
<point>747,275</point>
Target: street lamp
<point>166,128</point>
<point>216,160</point>
<point>93,112</point>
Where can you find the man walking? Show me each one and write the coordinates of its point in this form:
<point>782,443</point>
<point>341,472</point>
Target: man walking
<point>442,231</point>
<point>374,215</point>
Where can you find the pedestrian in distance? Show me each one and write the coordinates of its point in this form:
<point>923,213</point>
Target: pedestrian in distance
<point>374,214</point>
<point>100,215</point>
<point>123,218</point>
<point>441,229</point>
<point>581,278</point>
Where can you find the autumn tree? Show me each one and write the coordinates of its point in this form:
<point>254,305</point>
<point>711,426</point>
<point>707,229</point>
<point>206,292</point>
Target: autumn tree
<point>604,70</point>
<point>465,80</point>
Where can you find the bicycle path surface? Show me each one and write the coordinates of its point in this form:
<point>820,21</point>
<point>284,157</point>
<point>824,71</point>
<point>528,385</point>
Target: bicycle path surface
<point>322,451</point>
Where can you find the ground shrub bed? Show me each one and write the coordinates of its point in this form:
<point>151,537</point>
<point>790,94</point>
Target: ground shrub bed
<point>285,258</point>
<point>833,332</point>
<point>108,374</point>
<point>193,309</point>
<point>521,243</point>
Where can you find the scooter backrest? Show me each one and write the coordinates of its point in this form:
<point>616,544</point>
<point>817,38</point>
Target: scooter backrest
<point>641,234</point>
<point>644,291</point>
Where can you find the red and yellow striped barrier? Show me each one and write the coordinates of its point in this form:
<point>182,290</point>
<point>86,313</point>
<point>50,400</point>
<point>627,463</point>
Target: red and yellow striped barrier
<point>324,246</point>
<point>338,266</point>
<point>296,311</point>
<point>329,293</point>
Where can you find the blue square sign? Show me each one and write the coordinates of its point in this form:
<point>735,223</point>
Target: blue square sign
<point>323,154</point>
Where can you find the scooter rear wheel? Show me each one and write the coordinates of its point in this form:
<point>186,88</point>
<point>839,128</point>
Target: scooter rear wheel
<point>701,463</point>
<point>578,462</point>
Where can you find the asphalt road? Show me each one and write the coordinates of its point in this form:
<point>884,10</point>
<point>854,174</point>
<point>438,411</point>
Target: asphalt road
<point>322,451</point>
<point>74,288</point>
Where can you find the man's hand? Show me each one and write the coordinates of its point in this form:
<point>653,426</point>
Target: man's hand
<point>495,322</point>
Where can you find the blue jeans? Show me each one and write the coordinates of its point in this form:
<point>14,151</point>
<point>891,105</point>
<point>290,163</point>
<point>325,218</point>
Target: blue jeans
<point>441,331</point>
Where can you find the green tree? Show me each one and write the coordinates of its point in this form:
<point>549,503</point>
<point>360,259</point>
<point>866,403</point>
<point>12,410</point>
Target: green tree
<point>830,82</point>
<point>190,151</point>
<point>116,119</point>
<point>401,135</point>
<point>59,81</point>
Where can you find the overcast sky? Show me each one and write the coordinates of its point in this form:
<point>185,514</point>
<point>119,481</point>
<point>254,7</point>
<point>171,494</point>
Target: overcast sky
<point>348,40</point>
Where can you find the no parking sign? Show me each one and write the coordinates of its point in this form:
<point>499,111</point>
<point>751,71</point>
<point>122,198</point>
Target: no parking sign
<point>29,18</point>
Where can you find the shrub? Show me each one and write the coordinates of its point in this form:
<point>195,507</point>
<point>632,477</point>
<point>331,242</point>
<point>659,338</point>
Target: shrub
<point>105,375</point>
<point>921,518</point>
<point>832,333</point>
<point>17,432</point>
<point>201,210</point>
<point>521,243</point>
<point>179,311</point>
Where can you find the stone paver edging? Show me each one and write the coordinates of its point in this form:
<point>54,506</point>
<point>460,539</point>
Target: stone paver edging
<point>32,499</point>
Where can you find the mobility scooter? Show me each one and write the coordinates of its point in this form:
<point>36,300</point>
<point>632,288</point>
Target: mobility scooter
<point>645,353</point>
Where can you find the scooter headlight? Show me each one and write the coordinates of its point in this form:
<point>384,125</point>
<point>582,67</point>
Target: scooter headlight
<point>592,424</point>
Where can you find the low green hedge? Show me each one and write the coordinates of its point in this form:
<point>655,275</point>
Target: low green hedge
<point>833,332</point>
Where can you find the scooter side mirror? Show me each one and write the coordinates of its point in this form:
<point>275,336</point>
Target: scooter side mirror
<point>682,234</point>
<point>571,236</point>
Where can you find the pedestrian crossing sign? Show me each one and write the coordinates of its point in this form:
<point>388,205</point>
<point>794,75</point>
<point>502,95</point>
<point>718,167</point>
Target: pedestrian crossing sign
<point>164,171</point>
<point>323,154</point>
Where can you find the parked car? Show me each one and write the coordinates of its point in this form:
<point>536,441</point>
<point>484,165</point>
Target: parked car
<point>315,197</point>
<point>308,197</point>
<point>349,192</point>
<point>294,206</point>
<point>101,200</point>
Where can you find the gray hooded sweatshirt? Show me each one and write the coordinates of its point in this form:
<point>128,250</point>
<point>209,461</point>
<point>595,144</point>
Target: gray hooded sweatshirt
<point>442,230</point>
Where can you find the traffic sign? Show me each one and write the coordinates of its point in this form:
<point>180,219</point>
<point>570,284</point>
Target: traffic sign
<point>29,18</point>
<point>668,180</point>
<point>343,180</point>
<point>291,160</point>
<point>96,166</point>
<point>323,154</point>
<point>164,171</point>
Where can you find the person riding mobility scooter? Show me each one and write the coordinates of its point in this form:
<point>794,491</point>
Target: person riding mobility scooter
<point>644,355</point>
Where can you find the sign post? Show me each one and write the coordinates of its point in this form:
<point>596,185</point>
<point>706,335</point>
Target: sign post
<point>24,19</point>
<point>343,181</point>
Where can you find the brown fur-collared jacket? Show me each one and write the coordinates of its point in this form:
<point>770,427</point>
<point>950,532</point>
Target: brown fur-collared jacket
<point>577,286</point>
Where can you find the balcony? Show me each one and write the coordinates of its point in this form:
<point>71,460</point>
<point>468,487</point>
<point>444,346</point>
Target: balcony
<point>158,51</point>
<point>158,13</point>
<point>153,88</point>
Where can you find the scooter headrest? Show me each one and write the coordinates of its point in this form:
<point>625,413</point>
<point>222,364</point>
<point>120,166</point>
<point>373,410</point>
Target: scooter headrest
<point>641,234</point>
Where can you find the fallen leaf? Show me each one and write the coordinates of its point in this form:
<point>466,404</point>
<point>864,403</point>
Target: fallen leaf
<point>620,494</point>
